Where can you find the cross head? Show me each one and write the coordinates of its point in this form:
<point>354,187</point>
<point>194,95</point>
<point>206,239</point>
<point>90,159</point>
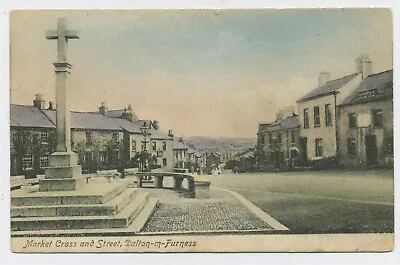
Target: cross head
<point>62,35</point>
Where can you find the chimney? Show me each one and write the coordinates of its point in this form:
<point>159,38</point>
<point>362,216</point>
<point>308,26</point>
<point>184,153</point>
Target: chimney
<point>170,134</point>
<point>181,140</point>
<point>284,112</point>
<point>364,65</point>
<point>323,78</point>
<point>127,114</point>
<point>103,108</point>
<point>38,102</point>
<point>51,105</point>
<point>155,125</point>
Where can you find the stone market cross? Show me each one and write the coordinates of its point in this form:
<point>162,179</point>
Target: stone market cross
<point>62,35</point>
<point>63,172</point>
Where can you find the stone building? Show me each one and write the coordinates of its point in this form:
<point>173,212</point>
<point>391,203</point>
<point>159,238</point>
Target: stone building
<point>101,141</point>
<point>318,111</point>
<point>365,122</point>
<point>32,139</point>
<point>180,154</point>
<point>280,143</point>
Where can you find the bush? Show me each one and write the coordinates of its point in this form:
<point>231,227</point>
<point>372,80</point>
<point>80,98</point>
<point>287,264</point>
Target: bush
<point>329,162</point>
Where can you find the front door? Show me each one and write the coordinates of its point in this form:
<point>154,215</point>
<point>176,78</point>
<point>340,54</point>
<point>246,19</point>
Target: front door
<point>303,150</point>
<point>371,150</point>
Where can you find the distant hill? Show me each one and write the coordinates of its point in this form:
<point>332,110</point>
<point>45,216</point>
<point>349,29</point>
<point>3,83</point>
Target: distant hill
<point>221,145</point>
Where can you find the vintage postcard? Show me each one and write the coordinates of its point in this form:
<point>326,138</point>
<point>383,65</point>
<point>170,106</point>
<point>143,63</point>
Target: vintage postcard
<point>202,130</point>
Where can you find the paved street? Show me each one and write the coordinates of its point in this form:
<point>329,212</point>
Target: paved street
<point>320,202</point>
<point>221,213</point>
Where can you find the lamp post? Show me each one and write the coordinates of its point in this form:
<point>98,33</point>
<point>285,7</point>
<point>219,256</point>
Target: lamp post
<point>145,129</point>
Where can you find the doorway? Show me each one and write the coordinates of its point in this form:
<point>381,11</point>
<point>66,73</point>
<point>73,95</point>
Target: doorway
<point>303,150</point>
<point>371,150</point>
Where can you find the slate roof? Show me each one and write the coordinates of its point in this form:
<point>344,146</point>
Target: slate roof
<point>29,116</point>
<point>374,87</point>
<point>132,127</point>
<point>159,135</point>
<point>118,113</point>
<point>87,120</point>
<point>328,88</point>
<point>179,145</point>
<point>284,124</point>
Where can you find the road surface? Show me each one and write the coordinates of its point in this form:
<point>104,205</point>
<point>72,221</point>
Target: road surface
<point>320,201</point>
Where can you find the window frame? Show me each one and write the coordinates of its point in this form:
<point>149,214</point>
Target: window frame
<point>328,115</point>
<point>319,148</point>
<point>317,117</point>
<point>352,120</point>
<point>306,118</point>
<point>377,123</point>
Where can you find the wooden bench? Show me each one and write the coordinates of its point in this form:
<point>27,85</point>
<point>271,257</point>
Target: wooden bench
<point>198,185</point>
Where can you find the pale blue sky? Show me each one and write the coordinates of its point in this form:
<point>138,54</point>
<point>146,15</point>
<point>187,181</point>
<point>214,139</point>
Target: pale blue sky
<point>209,72</point>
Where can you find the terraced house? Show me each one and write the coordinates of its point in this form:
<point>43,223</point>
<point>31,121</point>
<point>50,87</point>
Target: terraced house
<point>318,111</point>
<point>280,142</point>
<point>366,123</point>
<point>101,141</point>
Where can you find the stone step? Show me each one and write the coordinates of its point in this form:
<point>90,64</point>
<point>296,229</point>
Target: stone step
<point>134,228</point>
<point>102,194</point>
<point>111,207</point>
<point>120,220</point>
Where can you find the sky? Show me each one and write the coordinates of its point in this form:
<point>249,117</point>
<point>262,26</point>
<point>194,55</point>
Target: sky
<point>214,73</point>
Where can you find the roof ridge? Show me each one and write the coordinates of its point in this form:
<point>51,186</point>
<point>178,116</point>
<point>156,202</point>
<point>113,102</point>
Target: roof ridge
<point>380,73</point>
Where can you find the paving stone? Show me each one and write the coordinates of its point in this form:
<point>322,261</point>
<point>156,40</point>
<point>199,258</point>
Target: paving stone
<point>222,212</point>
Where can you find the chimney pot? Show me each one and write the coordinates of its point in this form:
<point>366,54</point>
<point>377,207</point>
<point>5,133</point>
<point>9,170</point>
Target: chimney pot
<point>51,105</point>
<point>38,102</point>
<point>103,108</point>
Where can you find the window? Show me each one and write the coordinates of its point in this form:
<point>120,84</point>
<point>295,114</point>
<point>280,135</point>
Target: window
<point>133,145</point>
<point>43,137</point>
<point>328,115</point>
<point>262,140</point>
<point>270,139</point>
<point>293,136</point>
<point>377,118</point>
<point>115,137</point>
<point>317,122</point>
<point>27,162</point>
<point>103,157</point>
<point>318,147</point>
<point>306,119</point>
<point>351,146</point>
<point>164,162</point>
<point>44,161</point>
<point>352,120</point>
<point>279,138</point>
<point>164,146</point>
<point>143,147</point>
<point>89,136</point>
<point>154,145</point>
<point>389,145</point>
